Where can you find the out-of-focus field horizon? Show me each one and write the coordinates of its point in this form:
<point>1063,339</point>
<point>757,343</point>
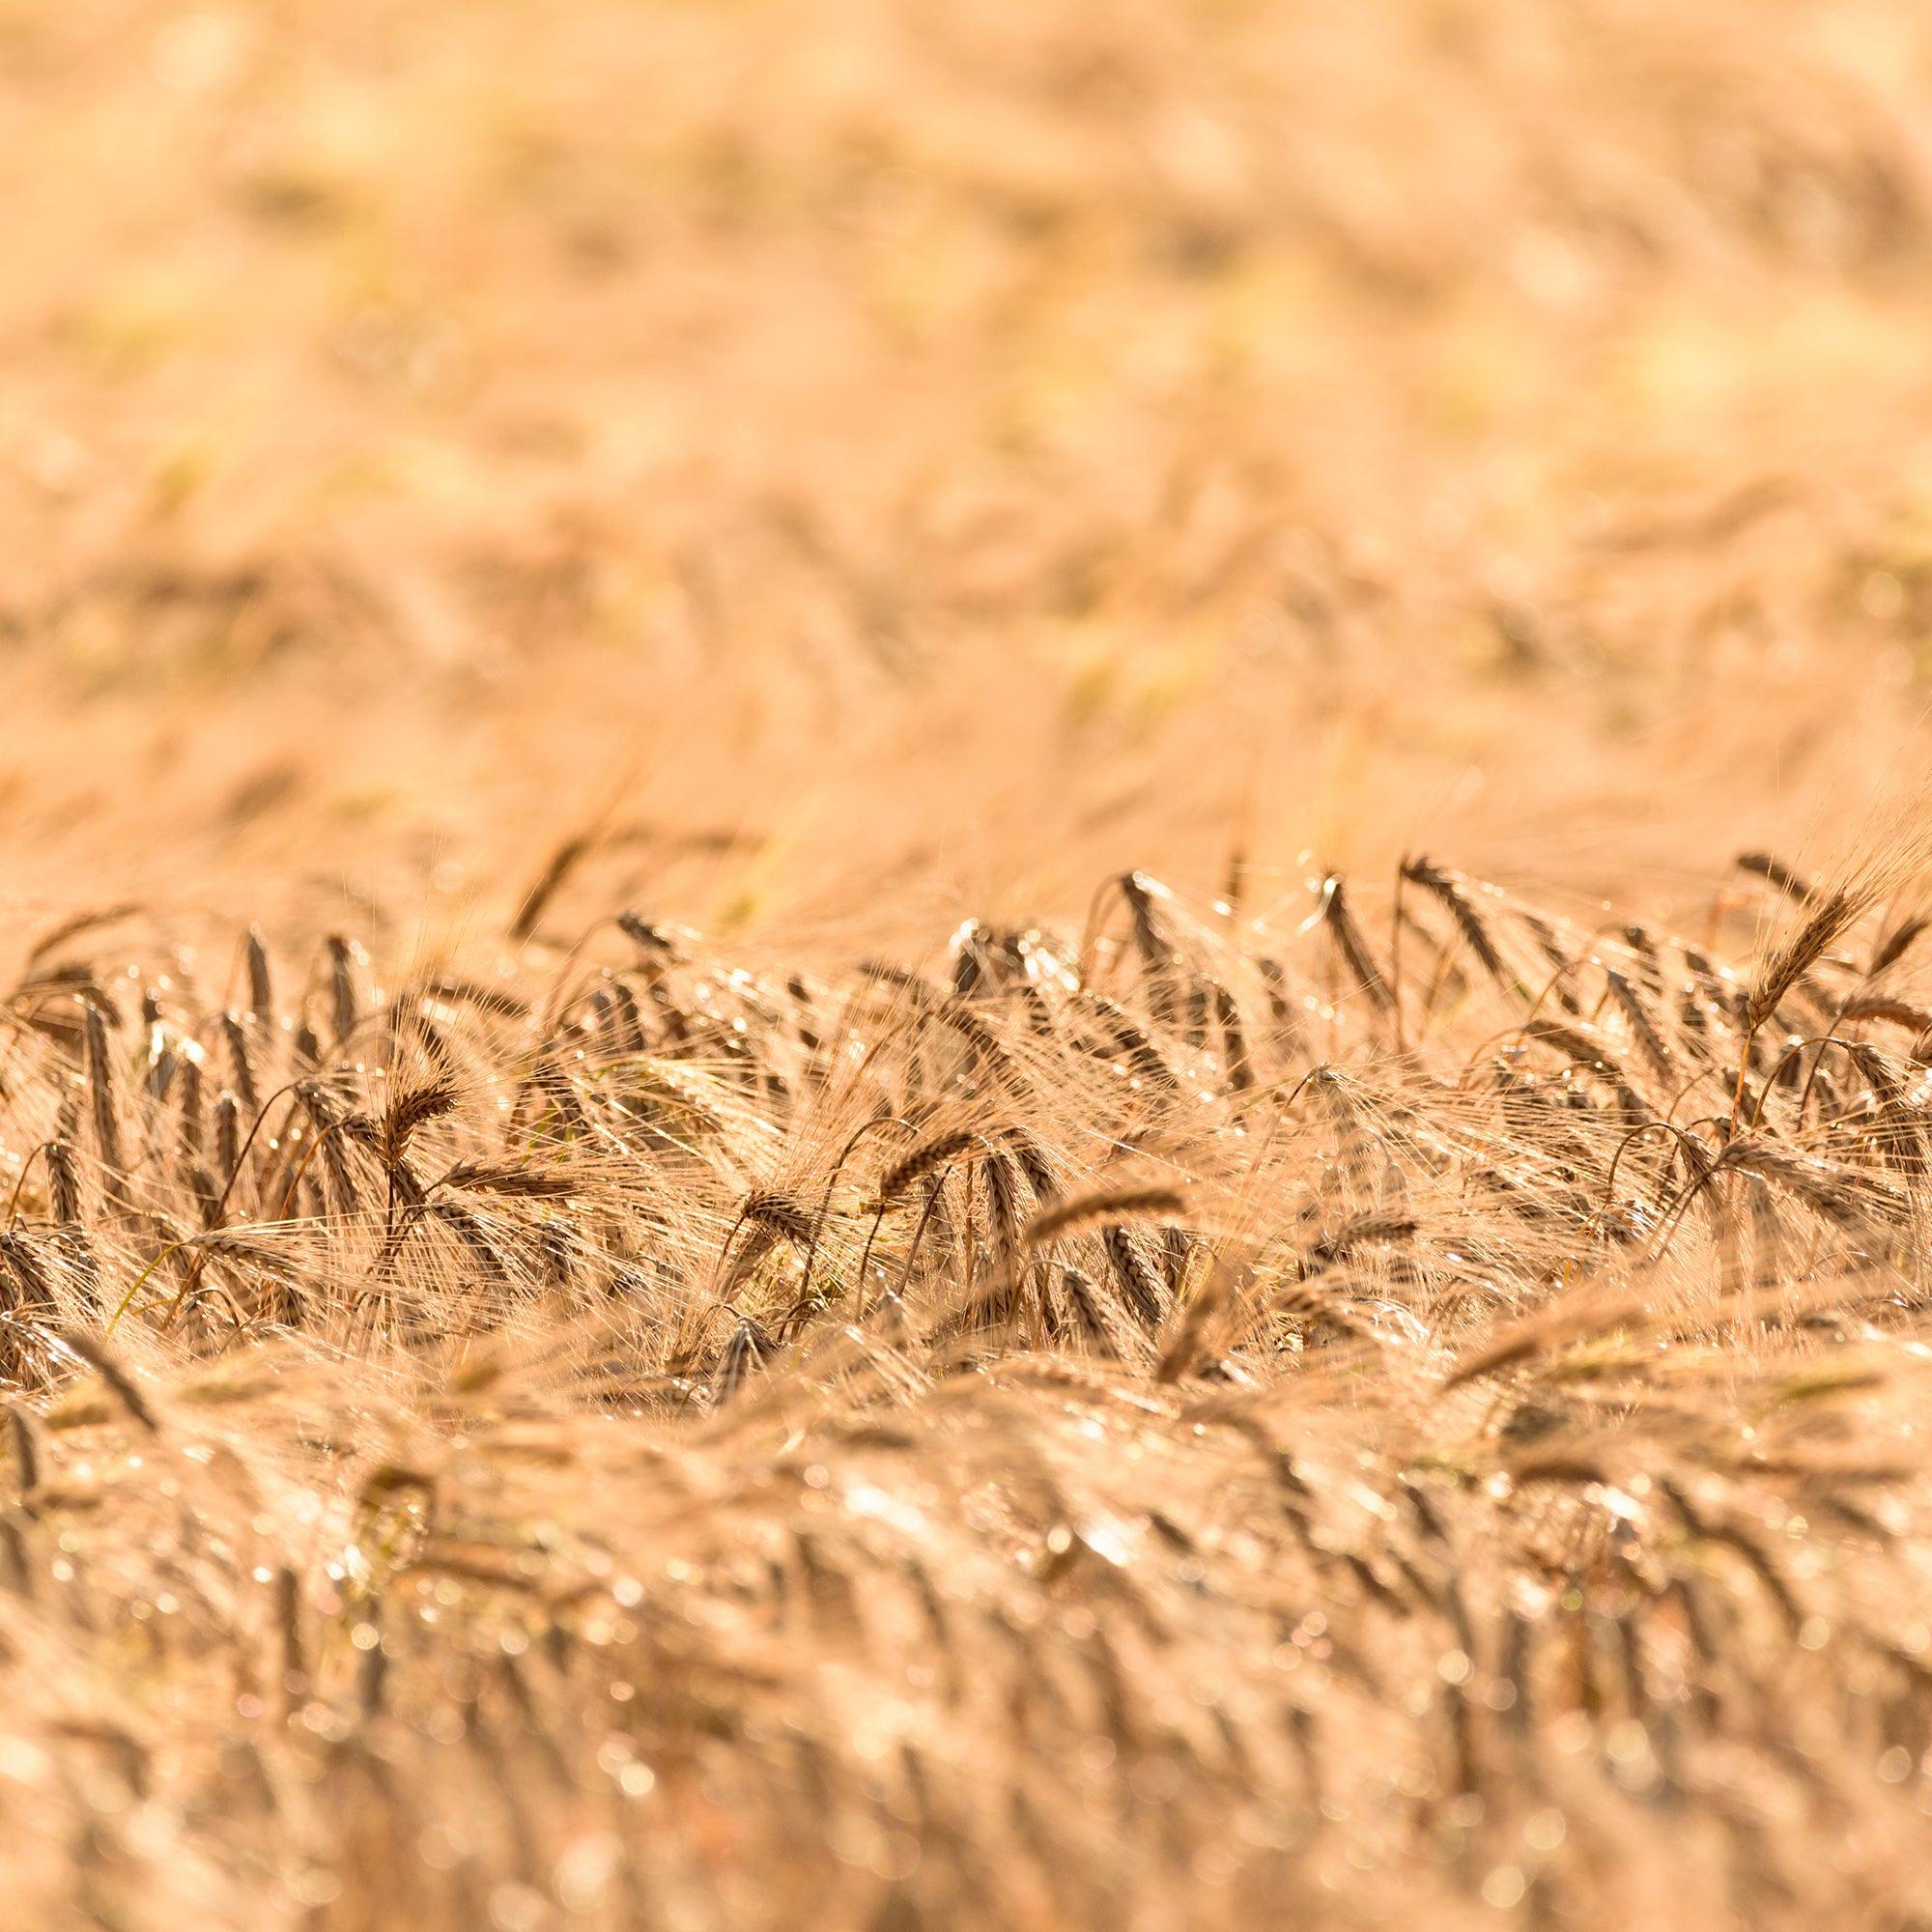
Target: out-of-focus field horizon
<point>966,965</point>
<point>910,453</point>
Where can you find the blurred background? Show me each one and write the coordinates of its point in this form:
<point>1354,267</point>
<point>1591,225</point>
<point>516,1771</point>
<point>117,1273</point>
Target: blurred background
<point>828,466</point>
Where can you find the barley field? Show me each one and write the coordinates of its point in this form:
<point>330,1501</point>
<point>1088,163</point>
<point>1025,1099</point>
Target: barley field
<point>967,965</point>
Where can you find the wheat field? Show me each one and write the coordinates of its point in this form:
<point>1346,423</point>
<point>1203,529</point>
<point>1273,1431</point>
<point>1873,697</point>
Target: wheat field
<point>968,965</point>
